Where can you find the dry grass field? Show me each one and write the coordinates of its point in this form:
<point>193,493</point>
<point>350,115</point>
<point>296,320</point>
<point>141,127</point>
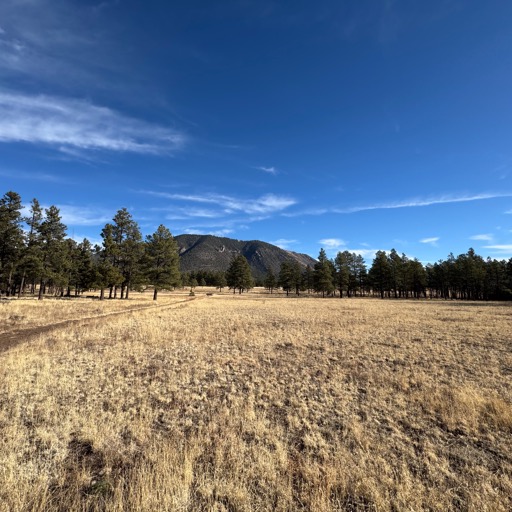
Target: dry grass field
<point>249,403</point>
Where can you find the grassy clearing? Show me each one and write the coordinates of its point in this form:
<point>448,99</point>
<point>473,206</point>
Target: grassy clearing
<point>235,403</point>
<point>30,312</point>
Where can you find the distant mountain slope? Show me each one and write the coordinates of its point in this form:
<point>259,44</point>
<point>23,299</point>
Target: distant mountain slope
<point>207,252</point>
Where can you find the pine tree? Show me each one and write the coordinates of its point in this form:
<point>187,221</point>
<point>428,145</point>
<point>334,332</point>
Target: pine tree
<point>323,274</point>
<point>31,257</point>
<point>270,281</point>
<point>342,264</point>
<point>11,239</point>
<point>162,261</point>
<point>308,279</point>
<point>54,260</point>
<point>380,273</point>
<point>81,270</point>
<point>238,275</point>
<point>290,276</point>
<point>219,280</point>
<point>122,242</point>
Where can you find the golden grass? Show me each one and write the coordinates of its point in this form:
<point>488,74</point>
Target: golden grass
<point>245,404</point>
<point>29,312</point>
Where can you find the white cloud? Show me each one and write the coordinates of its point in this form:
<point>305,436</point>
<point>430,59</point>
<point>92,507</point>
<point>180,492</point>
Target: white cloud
<point>51,178</point>
<point>83,215</point>
<point>269,170</point>
<point>500,248</point>
<point>485,237</point>
<point>431,240</point>
<point>69,123</point>
<point>283,243</point>
<point>332,243</point>
<point>263,205</point>
<point>413,203</point>
<point>409,203</point>
<point>365,253</point>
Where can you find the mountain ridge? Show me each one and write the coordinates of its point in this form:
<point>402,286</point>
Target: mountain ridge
<point>209,252</point>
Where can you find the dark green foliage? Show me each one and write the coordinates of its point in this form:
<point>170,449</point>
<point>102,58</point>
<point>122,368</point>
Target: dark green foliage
<point>308,279</point>
<point>123,249</point>
<point>54,252</point>
<point>270,281</point>
<point>323,274</point>
<point>380,274</point>
<point>290,277</point>
<point>11,239</point>
<point>161,260</point>
<point>238,275</point>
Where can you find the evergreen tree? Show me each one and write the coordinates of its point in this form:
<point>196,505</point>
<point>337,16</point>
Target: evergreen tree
<point>54,261</point>
<point>396,272</point>
<point>308,279</point>
<point>220,280</point>
<point>83,275</point>
<point>342,264</point>
<point>162,261</point>
<point>270,281</point>
<point>380,273</point>
<point>238,275</point>
<point>11,239</point>
<point>31,257</point>
<point>323,274</point>
<point>122,242</point>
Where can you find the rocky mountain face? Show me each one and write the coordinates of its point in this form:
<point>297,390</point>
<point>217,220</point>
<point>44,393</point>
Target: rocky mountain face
<point>207,252</point>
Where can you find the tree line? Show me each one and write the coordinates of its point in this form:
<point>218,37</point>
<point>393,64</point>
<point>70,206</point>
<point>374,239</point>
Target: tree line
<point>37,257</point>
<point>467,276</point>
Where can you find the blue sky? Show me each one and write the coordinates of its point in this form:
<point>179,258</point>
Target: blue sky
<point>350,125</point>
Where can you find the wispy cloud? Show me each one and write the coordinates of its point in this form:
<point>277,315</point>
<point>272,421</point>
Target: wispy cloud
<point>65,123</point>
<point>502,249</point>
<point>408,203</point>
<point>269,170</point>
<point>414,203</point>
<point>365,253</point>
<point>227,205</point>
<point>485,237</point>
<point>431,240</point>
<point>23,175</point>
<point>284,243</point>
<point>83,215</point>
<point>332,243</point>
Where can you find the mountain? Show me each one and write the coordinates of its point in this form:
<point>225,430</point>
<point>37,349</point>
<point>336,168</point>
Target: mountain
<point>207,252</point>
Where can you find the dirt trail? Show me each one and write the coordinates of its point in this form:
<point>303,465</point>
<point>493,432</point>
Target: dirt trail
<point>16,337</point>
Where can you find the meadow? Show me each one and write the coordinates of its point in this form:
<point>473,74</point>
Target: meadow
<point>256,403</point>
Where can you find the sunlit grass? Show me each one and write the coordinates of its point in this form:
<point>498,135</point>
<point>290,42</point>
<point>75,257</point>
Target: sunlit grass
<point>242,403</point>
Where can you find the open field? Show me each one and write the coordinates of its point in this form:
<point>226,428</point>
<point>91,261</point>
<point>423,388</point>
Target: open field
<point>250,403</point>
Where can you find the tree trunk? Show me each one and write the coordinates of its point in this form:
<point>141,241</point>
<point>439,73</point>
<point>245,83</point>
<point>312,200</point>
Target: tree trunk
<point>127,291</point>
<point>40,296</point>
<point>155,293</point>
<point>102,293</point>
<point>21,285</point>
<point>9,283</point>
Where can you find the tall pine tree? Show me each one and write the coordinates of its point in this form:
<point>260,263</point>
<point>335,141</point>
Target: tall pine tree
<point>161,260</point>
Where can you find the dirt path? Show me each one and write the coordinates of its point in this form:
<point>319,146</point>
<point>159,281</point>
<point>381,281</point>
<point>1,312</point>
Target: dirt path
<point>16,337</point>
